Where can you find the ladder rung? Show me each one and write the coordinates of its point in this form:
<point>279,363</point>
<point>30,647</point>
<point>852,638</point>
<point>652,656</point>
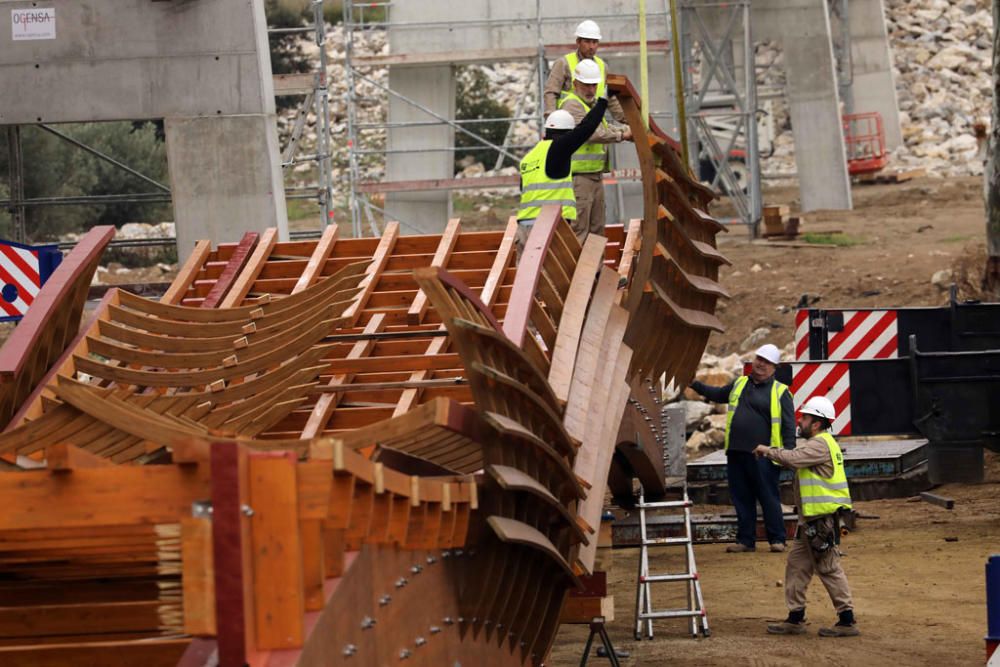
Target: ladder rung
<point>673,613</point>
<point>661,541</point>
<point>657,578</point>
<point>665,504</point>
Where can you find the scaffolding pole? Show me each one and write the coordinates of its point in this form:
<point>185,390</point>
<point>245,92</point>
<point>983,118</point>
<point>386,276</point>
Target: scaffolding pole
<point>360,191</point>
<point>724,94</point>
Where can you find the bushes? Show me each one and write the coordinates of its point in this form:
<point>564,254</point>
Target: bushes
<point>54,168</point>
<point>474,101</point>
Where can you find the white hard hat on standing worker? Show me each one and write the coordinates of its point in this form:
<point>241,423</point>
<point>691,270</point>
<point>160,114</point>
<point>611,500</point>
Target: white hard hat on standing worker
<point>820,406</point>
<point>770,353</point>
<point>588,30</point>
<point>587,71</point>
<point>560,120</point>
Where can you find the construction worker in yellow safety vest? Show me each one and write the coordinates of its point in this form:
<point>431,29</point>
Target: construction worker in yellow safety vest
<point>588,39</point>
<point>590,160</point>
<point>760,410</point>
<point>823,494</point>
<point>545,170</point>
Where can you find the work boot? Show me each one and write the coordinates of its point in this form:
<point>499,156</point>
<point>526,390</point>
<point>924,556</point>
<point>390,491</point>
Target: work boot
<point>795,624</point>
<point>739,548</point>
<point>845,627</point>
<point>777,547</point>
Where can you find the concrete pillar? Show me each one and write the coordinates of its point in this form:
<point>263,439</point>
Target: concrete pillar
<point>432,87</point>
<point>803,28</point>
<point>873,85</point>
<point>225,177</point>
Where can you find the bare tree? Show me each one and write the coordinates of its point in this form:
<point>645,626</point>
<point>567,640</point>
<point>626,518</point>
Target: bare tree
<point>991,278</point>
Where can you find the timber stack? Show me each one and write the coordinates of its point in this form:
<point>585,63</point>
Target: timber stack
<point>344,451</point>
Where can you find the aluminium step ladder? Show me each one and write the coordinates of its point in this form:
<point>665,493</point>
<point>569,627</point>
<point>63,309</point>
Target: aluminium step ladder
<point>644,612</point>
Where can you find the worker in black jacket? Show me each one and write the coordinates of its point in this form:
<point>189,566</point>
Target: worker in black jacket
<point>760,412</point>
<point>545,170</point>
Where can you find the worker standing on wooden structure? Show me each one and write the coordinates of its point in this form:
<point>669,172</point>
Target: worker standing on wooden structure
<point>822,489</point>
<point>545,170</point>
<point>588,39</point>
<point>591,160</point>
<point>760,411</point>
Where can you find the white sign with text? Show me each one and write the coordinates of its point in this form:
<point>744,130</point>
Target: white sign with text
<point>34,23</point>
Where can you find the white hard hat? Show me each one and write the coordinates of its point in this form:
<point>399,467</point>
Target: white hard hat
<point>819,406</point>
<point>560,120</point>
<point>587,71</point>
<point>588,30</point>
<point>769,352</point>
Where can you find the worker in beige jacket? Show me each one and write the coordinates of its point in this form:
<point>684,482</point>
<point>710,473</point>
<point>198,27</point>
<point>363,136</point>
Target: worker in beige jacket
<point>823,492</point>
<point>590,161</point>
<point>588,39</point>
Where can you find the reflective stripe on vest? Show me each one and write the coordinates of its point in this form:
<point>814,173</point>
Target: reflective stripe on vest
<point>589,158</point>
<point>824,495</point>
<point>538,190</point>
<point>777,391</point>
<point>573,59</point>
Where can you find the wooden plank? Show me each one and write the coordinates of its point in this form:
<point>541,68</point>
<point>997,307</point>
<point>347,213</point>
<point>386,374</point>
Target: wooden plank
<point>327,403</point>
<point>66,457</point>
<point>231,271</point>
<point>522,297</point>
<point>249,272</point>
<point>99,496</point>
<point>313,572</point>
<point>279,598</point>
<point>380,258</point>
<point>322,252</point>
<point>146,652</point>
<point>186,276</point>
<point>574,311</point>
<point>299,83</point>
<point>590,356</point>
<point>234,610</point>
<point>416,311</point>
<point>37,621</point>
<point>198,577</point>
<point>940,501</point>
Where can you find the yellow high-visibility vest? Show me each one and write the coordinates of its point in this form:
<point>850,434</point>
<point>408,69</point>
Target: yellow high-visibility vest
<point>777,391</point>
<point>824,495</point>
<point>589,158</point>
<point>573,59</point>
<point>538,190</point>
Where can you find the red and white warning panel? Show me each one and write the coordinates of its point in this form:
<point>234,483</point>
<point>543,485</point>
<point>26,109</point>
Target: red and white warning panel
<point>23,271</point>
<point>867,334</point>
<point>829,379</point>
<point>846,334</point>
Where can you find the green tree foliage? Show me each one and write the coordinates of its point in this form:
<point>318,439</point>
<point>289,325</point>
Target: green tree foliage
<point>474,101</point>
<point>55,168</point>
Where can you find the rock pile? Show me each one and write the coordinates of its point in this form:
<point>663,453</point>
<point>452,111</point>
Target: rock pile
<point>943,53</point>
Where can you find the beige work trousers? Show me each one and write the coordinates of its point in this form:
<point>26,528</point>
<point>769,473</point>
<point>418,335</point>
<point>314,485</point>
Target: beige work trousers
<point>799,572</point>
<point>589,192</point>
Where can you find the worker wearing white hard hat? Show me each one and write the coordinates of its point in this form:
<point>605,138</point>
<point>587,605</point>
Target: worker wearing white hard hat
<point>760,412</point>
<point>546,178</point>
<point>823,494</point>
<point>590,160</point>
<point>588,38</point>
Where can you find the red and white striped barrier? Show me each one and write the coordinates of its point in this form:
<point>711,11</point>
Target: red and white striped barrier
<point>832,380</point>
<point>23,269</point>
<point>867,334</point>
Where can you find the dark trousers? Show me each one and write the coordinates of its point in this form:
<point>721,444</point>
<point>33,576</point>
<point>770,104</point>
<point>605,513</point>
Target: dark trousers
<point>752,480</point>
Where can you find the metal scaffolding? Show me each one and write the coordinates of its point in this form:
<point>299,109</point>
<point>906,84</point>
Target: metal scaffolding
<point>717,46</point>
<point>358,70</point>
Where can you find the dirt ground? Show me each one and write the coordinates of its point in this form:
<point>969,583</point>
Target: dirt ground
<point>919,599</point>
<point>903,233</point>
